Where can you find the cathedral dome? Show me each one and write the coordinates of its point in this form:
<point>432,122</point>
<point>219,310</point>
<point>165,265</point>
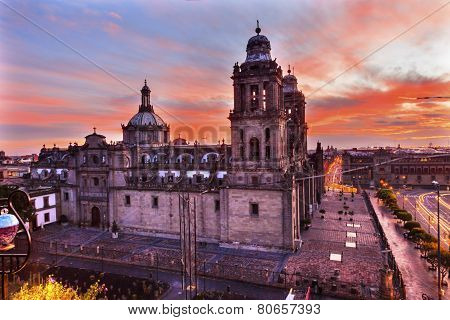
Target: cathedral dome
<point>146,118</point>
<point>290,82</point>
<point>258,47</point>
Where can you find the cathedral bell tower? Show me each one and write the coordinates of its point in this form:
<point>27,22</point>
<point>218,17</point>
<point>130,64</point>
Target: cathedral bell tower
<point>258,120</point>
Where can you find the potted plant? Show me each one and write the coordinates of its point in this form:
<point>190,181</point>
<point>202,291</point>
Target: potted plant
<point>115,230</point>
<point>64,220</point>
<point>307,223</point>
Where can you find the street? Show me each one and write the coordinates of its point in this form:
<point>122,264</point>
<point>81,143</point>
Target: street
<point>422,204</point>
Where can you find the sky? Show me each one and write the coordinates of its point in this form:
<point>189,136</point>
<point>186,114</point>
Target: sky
<point>69,66</point>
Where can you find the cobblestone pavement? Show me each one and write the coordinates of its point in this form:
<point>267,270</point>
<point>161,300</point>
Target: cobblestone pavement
<point>334,234</point>
<point>417,277</point>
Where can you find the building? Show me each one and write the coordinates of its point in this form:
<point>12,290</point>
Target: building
<point>44,200</point>
<point>397,166</point>
<point>254,191</point>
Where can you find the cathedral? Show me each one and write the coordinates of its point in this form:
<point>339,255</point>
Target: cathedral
<point>255,192</point>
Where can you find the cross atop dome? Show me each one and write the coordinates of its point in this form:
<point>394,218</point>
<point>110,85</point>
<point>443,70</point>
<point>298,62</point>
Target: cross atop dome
<point>258,29</point>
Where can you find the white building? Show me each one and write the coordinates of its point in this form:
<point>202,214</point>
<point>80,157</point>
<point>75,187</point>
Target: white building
<point>44,201</point>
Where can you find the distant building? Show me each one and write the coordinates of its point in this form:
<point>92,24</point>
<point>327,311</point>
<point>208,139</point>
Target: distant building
<point>44,200</point>
<point>397,166</point>
<point>254,191</point>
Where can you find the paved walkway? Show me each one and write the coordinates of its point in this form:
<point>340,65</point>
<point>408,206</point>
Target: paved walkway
<point>417,277</point>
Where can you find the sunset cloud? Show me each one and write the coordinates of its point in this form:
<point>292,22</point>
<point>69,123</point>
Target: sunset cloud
<point>186,51</point>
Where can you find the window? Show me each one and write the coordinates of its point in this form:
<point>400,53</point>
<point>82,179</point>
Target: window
<point>46,202</point>
<point>267,152</point>
<point>242,152</point>
<point>241,135</point>
<point>254,180</point>
<point>155,202</point>
<point>127,200</point>
<point>84,159</point>
<point>267,134</point>
<point>217,205</point>
<point>170,178</point>
<point>254,209</point>
<point>46,217</point>
<point>199,179</point>
<point>103,159</point>
<point>255,101</point>
<point>95,181</point>
<point>254,149</point>
<point>95,159</point>
<point>66,196</point>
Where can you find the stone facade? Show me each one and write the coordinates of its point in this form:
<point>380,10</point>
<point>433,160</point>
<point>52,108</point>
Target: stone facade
<point>397,166</point>
<point>253,192</point>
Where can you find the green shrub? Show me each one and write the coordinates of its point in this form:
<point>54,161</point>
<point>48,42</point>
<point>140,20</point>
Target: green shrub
<point>416,233</point>
<point>411,225</point>
<point>404,216</point>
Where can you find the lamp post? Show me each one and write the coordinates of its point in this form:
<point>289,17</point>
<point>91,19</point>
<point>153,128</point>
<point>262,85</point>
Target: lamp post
<point>10,225</point>
<point>436,185</point>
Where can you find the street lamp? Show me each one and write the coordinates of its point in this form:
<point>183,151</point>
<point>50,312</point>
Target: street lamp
<point>10,225</point>
<point>436,185</point>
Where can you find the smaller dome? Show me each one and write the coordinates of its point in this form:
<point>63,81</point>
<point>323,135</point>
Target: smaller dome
<point>146,118</point>
<point>290,82</point>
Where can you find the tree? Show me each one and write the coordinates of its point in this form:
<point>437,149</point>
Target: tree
<point>411,225</point>
<point>404,216</point>
<point>53,290</point>
<point>416,234</point>
<point>426,248</point>
<point>445,262</point>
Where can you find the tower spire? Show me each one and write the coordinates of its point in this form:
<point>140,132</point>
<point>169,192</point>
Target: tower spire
<point>289,69</point>
<point>145,98</point>
<point>258,29</point>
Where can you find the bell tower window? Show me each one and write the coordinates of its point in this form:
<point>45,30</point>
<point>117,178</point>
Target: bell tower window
<point>255,100</point>
<point>265,85</point>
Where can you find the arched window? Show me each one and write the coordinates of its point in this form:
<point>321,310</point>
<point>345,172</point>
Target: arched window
<point>95,159</point>
<point>241,135</point>
<point>95,180</point>
<point>254,149</point>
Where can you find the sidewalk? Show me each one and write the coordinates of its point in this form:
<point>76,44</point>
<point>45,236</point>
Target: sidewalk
<point>418,279</point>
